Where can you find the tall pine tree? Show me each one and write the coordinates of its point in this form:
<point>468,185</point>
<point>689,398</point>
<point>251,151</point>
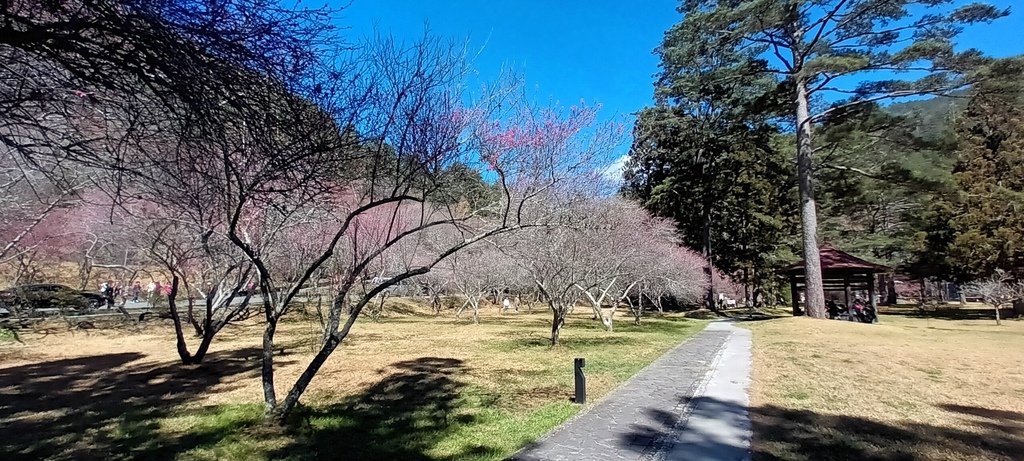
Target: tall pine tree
<point>819,46</point>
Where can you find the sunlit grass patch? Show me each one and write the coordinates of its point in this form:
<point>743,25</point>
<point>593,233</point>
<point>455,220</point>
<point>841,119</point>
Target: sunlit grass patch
<point>907,388</point>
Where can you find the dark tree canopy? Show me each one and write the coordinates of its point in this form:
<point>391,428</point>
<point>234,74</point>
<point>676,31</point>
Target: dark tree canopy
<point>705,155</point>
<point>988,216</point>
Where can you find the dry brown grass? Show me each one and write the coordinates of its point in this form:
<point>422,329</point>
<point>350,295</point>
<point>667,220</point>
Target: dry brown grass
<point>908,388</point>
<point>509,386</point>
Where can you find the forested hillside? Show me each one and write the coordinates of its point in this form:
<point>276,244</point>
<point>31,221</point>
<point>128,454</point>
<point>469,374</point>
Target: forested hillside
<point>881,169</point>
<point>931,187</point>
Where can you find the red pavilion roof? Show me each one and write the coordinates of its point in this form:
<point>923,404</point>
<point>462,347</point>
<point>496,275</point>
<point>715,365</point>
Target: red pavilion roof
<point>835,259</point>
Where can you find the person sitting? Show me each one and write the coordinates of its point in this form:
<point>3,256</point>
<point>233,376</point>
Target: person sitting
<point>833,309</point>
<point>858,310</point>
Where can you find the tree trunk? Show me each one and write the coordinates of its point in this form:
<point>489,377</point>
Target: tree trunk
<point>333,318</point>
<point>596,302</point>
<point>267,369</point>
<point>279,414</point>
<point>606,321</point>
<point>998,320</point>
<point>458,312</point>
<point>814,293</point>
<point>710,269</point>
<point>204,346</point>
<point>637,310</point>
<point>179,335</point>
<point>746,287</point>
<point>922,294</point>
<point>890,290</point>
<point>435,301</point>
<point>557,320</point>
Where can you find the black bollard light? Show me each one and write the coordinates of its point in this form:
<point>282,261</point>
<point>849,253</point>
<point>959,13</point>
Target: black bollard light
<point>581,381</point>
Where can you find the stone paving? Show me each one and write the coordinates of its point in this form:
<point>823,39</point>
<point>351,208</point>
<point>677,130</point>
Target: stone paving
<point>645,418</point>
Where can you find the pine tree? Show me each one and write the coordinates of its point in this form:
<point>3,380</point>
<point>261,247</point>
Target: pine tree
<point>820,45</point>
<point>876,176</point>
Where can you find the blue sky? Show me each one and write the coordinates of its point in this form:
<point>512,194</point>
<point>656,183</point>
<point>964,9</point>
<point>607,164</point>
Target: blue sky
<point>567,50</point>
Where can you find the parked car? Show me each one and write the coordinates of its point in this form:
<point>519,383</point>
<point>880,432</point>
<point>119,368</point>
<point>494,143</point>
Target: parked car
<point>26,299</point>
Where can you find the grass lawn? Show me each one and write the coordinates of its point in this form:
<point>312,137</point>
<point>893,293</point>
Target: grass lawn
<point>906,389</point>
<point>411,386</point>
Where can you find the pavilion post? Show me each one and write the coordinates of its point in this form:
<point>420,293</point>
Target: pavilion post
<point>871,294</point>
<point>846,290</point>
<point>794,295</point>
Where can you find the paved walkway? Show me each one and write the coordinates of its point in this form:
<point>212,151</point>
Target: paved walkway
<point>690,404</point>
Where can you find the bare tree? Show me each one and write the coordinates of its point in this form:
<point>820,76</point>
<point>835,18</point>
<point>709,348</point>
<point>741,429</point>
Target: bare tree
<point>556,260</point>
<point>233,128</point>
<point>473,275</point>
<point>33,206</point>
<point>631,249</point>
<point>998,290</point>
<point>529,154</point>
<point>205,270</point>
<point>616,250</point>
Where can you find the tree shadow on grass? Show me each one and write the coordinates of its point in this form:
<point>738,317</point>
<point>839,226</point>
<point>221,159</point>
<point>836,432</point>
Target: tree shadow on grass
<point>538,341</point>
<point>967,313</point>
<point>790,434</point>
<point>103,406</point>
<point>1000,420</point>
<point>784,434</point>
<point>756,316</point>
<point>110,407</point>
<point>402,417</point>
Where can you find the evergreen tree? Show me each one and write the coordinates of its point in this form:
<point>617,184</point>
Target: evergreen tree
<point>704,155</point>
<point>819,45</point>
<point>988,217</point>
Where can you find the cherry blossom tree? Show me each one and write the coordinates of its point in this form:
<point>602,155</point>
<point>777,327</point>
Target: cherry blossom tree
<point>607,251</point>
<point>630,250</point>
<point>34,208</point>
<point>618,262</point>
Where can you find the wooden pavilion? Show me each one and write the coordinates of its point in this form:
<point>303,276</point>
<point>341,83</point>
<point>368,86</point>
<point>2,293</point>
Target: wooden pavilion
<point>840,272</point>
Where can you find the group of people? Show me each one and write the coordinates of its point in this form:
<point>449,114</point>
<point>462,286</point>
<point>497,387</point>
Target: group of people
<point>859,311</point>
<point>114,290</point>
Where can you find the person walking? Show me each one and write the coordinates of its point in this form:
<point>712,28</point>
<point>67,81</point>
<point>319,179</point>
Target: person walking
<point>136,289</point>
<point>107,290</point>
